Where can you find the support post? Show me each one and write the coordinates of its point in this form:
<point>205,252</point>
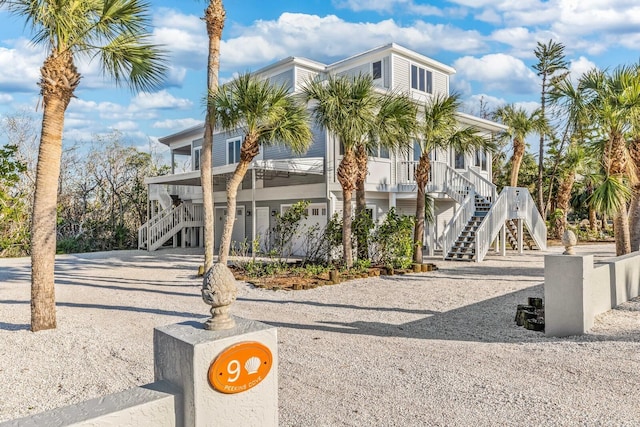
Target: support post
<point>184,352</point>
<point>520,236</point>
<point>503,240</point>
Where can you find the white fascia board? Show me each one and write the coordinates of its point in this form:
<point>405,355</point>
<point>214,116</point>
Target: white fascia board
<point>287,63</point>
<point>175,179</point>
<point>193,131</point>
<point>397,49</point>
<point>481,123</point>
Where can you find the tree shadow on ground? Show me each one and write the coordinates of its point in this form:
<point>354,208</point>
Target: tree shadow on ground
<point>488,321</point>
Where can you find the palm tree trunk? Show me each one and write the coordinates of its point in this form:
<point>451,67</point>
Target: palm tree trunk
<point>516,160</point>
<point>621,230</point>
<point>248,152</point>
<point>634,219</point>
<point>422,177</point>
<point>361,201</point>
<point>43,225</point>
<point>593,220</point>
<point>562,201</point>
<point>59,79</point>
<point>214,18</point>
<point>347,171</point>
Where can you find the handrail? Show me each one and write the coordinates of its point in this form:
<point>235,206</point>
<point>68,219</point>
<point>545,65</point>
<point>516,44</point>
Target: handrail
<point>461,218</point>
<point>484,187</point>
<point>490,226</point>
<point>522,206</point>
<point>155,231</point>
<point>513,203</point>
<point>457,186</point>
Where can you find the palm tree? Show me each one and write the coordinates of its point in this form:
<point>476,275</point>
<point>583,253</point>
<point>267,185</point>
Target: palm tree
<point>439,129</point>
<point>550,62</point>
<point>114,32</point>
<point>347,107</point>
<point>214,17</point>
<point>569,98</point>
<point>394,128</point>
<point>520,125</point>
<point>266,115</point>
<point>613,100</point>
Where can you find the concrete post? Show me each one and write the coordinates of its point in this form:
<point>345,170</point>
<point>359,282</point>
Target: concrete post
<point>503,240</point>
<point>185,351</point>
<point>520,236</point>
<point>565,292</point>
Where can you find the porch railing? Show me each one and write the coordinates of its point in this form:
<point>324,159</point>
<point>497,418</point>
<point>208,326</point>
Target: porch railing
<point>458,222</point>
<point>155,232</point>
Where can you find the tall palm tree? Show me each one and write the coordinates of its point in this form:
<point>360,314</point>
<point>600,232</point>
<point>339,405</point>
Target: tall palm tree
<point>569,98</point>
<point>214,17</point>
<point>439,129</point>
<point>266,115</point>
<point>551,61</point>
<point>634,207</point>
<point>520,125</point>
<point>116,33</point>
<point>347,107</point>
<point>613,101</point>
<point>393,128</point>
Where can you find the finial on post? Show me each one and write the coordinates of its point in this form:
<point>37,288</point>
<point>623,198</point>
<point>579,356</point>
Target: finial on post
<point>569,240</point>
<point>219,291</point>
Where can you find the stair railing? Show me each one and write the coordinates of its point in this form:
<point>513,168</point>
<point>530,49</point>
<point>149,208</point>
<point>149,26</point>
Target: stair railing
<point>490,226</point>
<point>459,221</point>
<point>483,186</point>
<point>456,185</point>
<point>522,206</point>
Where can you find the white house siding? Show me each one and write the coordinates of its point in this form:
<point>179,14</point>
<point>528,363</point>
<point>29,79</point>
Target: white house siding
<point>283,79</point>
<point>220,146</point>
<point>317,148</point>
<point>401,74</point>
<point>303,75</point>
<point>360,69</point>
<point>379,173</point>
<point>444,211</point>
<point>440,83</point>
<point>386,71</point>
<point>406,206</point>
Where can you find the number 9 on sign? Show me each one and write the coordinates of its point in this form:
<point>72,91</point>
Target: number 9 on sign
<point>240,367</point>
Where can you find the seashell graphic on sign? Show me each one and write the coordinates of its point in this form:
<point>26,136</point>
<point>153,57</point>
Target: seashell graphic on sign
<point>252,365</point>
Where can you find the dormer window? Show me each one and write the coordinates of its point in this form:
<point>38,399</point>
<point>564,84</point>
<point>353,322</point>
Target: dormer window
<point>376,70</point>
<point>421,79</point>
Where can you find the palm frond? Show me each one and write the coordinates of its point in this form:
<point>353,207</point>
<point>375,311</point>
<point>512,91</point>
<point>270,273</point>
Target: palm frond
<point>610,196</point>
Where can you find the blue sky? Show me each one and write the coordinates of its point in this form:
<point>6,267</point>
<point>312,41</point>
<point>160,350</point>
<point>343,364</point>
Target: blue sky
<point>489,42</point>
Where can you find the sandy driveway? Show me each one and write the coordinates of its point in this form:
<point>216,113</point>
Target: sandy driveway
<point>438,348</point>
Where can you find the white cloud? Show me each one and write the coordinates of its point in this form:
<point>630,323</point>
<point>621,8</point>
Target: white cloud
<point>125,126</point>
<point>20,65</point>
<point>579,66</point>
<point>497,72</point>
<point>323,39</point>
<point>487,103</point>
<point>158,100</point>
<point>5,98</point>
<point>176,123</point>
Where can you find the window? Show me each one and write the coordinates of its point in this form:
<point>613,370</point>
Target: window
<point>458,160</point>
<point>421,79</point>
<point>196,158</point>
<point>379,151</point>
<point>417,151</point>
<point>481,159</point>
<point>233,150</point>
<point>377,70</point>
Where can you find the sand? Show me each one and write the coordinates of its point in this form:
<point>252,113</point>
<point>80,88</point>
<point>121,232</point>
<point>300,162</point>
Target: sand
<point>430,349</point>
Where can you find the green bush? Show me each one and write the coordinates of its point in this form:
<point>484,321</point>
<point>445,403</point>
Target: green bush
<point>393,241</point>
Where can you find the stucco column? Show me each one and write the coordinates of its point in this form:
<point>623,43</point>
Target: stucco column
<point>184,353</point>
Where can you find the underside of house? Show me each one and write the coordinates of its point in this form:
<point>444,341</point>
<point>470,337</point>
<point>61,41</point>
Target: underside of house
<point>469,215</point>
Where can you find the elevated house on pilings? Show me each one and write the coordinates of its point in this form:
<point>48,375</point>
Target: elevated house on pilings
<point>470,215</point>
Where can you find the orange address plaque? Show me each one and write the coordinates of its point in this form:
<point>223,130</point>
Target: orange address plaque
<point>240,367</point>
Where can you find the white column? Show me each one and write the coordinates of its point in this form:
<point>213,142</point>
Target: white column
<point>520,236</point>
<point>503,240</point>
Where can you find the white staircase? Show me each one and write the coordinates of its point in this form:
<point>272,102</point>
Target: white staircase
<point>184,220</point>
<point>481,216</point>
